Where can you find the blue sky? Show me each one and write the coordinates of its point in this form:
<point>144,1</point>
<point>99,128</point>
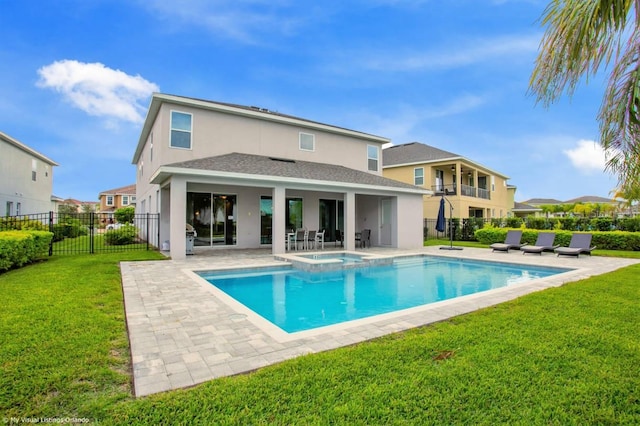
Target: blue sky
<point>76,79</point>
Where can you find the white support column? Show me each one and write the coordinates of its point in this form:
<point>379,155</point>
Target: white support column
<point>350,221</point>
<point>278,211</point>
<point>178,216</point>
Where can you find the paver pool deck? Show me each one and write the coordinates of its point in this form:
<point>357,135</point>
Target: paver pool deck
<point>184,332</point>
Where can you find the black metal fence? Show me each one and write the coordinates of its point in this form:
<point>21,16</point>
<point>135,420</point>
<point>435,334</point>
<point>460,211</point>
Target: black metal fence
<point>462,229</point>
<point>91,232</point>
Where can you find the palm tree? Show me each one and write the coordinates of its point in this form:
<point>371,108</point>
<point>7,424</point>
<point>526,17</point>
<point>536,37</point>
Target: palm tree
<point>580,37</point>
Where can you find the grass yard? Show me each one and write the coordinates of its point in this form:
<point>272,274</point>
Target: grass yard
<point>568,355</point>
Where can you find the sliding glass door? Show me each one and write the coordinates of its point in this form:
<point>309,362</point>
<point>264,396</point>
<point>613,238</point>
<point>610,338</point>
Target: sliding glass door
<point>214,217</point>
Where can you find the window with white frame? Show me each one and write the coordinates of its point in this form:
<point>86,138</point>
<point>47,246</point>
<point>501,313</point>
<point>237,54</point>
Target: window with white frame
<point>418,176</point>
<point>180,130</point>
<point>372,158</point>
<point>493,183</point>
<point>151,147</point>
<point>125,200</point>
<point>9,211</point>
<point>307,142</point>
<point>18,209</point>
<point>34,169</point>
<point>109,200</point>
<point>133,199</point>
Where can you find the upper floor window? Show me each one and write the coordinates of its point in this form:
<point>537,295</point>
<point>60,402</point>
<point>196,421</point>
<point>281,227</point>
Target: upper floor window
<point>418,176</point>
<point>180,130</point>
<point>133,199</point>
<point>151,148</point>
<point>372,158</point>
<point>493,183</point>
<point>307,142</point>
<point>125,200</point>
<point>34,169</point>
<point>109,200</point>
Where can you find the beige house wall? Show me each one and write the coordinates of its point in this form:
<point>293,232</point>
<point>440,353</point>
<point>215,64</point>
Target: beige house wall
<point>501,196</point>
<point>218,133</point>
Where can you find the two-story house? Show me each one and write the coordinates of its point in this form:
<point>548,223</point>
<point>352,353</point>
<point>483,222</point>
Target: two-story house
<point>26,179</point>
<point>113,199</point>
<point>473,189</point>
<point>244,176</point>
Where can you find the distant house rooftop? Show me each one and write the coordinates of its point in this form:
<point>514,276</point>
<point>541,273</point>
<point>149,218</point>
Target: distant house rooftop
<point>420,153</point>
<point>123,190</point>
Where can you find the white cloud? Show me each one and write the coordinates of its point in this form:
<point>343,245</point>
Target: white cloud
<point>587,156</point>
<point>455,56</point>
<point>98,90</point>
<point>246,21</point>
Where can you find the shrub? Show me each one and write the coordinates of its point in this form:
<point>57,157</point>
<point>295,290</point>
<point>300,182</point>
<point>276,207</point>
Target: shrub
<point>611,240</point>
<point>631,224</point>
<point>513,222</point>
<point>17,223</point>
<point>126,234</point>
<point>18,248</point>
<point>70,228</point>
<point>602,224</point>
<point>125,214</point>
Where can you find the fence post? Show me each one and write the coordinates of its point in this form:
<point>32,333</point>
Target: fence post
<point>51,230</point>
<point>91,235</point>
<point>146,231</point>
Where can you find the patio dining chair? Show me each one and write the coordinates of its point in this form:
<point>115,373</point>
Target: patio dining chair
<point>299,238</point>
<point>319,241</point>
<point>310,240</point>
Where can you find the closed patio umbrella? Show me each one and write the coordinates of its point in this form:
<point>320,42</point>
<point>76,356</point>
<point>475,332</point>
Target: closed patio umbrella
<point>440,223</point>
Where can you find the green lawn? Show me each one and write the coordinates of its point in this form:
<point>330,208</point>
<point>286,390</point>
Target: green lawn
<point>568,355</point>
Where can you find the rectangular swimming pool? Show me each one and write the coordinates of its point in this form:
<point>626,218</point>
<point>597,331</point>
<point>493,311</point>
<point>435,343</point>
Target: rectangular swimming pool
<point>296,300</point>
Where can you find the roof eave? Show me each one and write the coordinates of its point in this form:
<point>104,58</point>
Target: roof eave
<point>163,173</point>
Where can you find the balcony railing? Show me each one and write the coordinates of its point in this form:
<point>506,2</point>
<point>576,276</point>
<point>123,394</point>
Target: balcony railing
<point>444,189</point>
<point>484,193</point>
<point>466,190</point>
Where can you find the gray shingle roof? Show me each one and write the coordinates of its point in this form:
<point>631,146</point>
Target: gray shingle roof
<point>542,201</point>
<point>293,169</point>
<point>413,152</point>
<point>526,207</point>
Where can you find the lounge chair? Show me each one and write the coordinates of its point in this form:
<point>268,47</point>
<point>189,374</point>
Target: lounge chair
<point>511,242</point>
<point>544,242</point>
<point>580,243</point>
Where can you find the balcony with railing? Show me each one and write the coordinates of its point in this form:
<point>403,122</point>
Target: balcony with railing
<point>466,190</point>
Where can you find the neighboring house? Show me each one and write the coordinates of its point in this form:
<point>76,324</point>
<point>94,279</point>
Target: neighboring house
<point>80,206</point>
<point>473,189</point>
<point>26,179</point>
<point>113,199</point>
<point>523,210</point>
<point>244,176</point>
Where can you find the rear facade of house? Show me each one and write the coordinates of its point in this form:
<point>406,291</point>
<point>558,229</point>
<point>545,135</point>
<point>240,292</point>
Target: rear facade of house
<point>243,177</point>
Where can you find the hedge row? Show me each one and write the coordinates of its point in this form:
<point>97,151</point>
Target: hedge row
<point>571,223</point>
<point>17,248</point>
<point>613,240</point>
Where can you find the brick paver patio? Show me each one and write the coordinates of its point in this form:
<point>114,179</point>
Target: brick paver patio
<point>183,333</point>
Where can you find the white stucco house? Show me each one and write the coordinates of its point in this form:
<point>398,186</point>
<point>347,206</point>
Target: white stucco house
<point>26,179</point>
<point>244,176</point>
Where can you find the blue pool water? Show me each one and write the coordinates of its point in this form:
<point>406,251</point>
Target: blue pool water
<point>296,300</point>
